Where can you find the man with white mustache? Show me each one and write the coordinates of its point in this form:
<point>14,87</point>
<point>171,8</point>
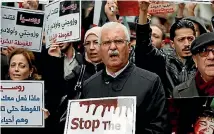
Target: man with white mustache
<point>122,78</point>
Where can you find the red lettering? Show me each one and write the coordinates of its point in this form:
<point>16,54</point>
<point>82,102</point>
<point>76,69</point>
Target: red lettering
<point>81,123</point>
<point>73,122</point>
<point>88,124</point>
<point>95,124</point>
<point>65,35</point>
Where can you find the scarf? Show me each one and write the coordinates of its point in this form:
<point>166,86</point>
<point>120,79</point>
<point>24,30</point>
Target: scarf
<point>204,87</point>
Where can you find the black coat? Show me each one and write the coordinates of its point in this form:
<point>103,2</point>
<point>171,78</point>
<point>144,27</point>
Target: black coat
<point>151,110</point>
<point>4,66</point>
<point>170,69</point>
<point>92,69</point>
<point>68,92</point>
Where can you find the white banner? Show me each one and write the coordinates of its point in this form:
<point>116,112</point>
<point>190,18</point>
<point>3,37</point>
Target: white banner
<point>114,115</point>
<point>21,103</point>
<point>22,28</point>
<point>189,1</point>
<point>63,21</point>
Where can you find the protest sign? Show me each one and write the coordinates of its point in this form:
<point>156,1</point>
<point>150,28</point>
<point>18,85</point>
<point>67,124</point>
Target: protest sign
<point>21,103</point>
<point>22,28</point>
<point>191,115</point>
<point>132,8</point>
<point>114,115</point>
<point>40,1</point>
<point>63,21</point>
<point>97,12</point>
<point>190,1</point>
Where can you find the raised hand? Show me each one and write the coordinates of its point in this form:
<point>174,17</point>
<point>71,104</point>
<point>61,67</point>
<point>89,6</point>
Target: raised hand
<point>30,4</point>
<point>144,5</point>
<point>54,49</point>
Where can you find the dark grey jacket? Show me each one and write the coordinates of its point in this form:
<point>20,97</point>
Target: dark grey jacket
<point>169,68</point>
<point>186,89</point>
<point>151,110</point>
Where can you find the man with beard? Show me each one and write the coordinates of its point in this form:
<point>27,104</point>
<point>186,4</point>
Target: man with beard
<point>158,36</point>
<point>60,73</point>
<point>173,68</point>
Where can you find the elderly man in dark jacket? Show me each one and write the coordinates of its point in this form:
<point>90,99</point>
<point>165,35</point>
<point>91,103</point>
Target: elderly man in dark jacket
<point>121,78</point>
<point>174,68</point>
<point>203,82</point>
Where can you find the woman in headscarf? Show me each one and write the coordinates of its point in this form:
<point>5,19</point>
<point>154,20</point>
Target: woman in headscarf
<point>93,60</point>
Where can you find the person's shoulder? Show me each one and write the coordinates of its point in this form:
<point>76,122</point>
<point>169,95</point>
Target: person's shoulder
<point>93,78</point>
<point>183,88</point>
<point>146,75</point>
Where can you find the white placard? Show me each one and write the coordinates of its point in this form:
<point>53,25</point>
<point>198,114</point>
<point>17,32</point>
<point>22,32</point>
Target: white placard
<point>190,1</point>
<point>21,28</point>
<point>21,103</point>
<point>63,21</point>
<point>97,11</point>
<point>114,115</point>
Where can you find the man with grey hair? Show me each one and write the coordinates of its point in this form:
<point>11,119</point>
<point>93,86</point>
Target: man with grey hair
<point>121,78</point>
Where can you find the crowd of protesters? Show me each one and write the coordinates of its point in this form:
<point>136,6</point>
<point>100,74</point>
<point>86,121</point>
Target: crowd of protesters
<point>140,61</point>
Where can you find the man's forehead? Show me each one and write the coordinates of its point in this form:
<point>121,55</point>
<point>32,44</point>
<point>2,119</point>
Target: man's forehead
<point>109,32</point>
<point>156,29</point>
<point>184,32</point>
<point>117,28</point>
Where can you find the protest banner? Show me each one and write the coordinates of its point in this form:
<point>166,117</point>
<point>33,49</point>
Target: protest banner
<point>22,28</point>
<point>113,115</point>
<point>191,115</point>
<point>40,1</point>
<point>21,103</point>
<point>190,1</point>
<point>63,21</point>
<point>132,8</point>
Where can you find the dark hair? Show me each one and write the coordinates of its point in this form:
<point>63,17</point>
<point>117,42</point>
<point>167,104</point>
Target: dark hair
<point>207,113</point>
<point>30,59</point>
<point>181,24</point>
<point>161,28</point>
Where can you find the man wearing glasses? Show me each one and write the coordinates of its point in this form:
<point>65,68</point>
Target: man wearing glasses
<point>202,84</point>
<point>122,78</point>
<point>173,68</point>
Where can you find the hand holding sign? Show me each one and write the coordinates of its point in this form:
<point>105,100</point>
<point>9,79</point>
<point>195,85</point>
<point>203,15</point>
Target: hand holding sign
<point>111,7</point>
<point>54,49</point>
<point>181,6</point>
<point>191,8</point>
<point>8,50</point>
<point>46,113</point>
<point>111,10</point>
<point>144,5</point>
<point>30,4</point>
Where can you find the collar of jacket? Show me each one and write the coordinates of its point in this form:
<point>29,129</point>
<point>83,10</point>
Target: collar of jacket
<point>94,68</point>
<point>120,80</point>
<point>189,63</point>
<point>188,89</point>
<point>78,57</point>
